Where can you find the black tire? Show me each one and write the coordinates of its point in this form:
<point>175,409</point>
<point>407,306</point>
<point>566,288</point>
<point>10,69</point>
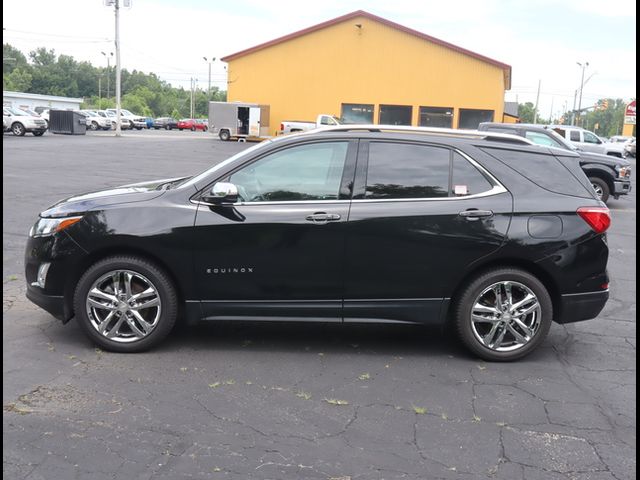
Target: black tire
<point>601,188</point>
<point>94,126</point>
<point>157,278</point>
<point>465,301</point>
<point>180,129</point>
<point>38,133</point>
<point>224,135</point>
<point>167,127</point>
<point>193,129</point>
<point>18,129</point>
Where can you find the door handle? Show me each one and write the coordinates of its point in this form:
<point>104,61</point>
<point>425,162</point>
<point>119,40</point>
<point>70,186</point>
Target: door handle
<point>475,214</point>
<point>322,217</point>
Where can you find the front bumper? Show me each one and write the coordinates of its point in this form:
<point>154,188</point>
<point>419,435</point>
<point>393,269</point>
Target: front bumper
<point>621,187</point>
<point>576,307</point>
<point>54,304</point>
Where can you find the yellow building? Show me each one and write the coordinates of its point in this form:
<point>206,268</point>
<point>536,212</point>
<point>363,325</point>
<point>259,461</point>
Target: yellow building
<point>367,69</point>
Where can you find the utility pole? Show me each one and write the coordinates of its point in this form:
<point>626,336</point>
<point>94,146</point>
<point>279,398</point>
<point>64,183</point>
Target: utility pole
<point>99,90</point>
<point>551,112</point>
<point>535,110</point>
<point>118,117</point>
<point>193,87</point>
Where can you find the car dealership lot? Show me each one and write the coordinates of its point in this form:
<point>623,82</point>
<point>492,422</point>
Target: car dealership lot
<point>295,401</point>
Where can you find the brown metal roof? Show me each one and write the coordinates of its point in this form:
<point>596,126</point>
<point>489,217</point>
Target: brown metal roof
<point>375,18</point>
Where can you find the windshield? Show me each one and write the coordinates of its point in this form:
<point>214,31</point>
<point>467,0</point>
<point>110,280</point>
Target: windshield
<point>201,177</point>
<point>17,112</point>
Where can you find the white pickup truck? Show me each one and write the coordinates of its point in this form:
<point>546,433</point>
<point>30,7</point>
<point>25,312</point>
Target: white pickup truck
<point>292,126</point>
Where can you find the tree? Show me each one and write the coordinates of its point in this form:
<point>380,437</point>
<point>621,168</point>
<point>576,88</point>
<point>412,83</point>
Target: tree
<point>526,112</point>
<point>19,80</point>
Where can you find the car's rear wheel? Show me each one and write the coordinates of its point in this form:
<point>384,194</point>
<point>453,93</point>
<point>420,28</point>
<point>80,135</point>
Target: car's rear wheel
<point>601,188</point>
<point>18,129</point>
<point>125,304</point>
<point>503,314</point>
<point>193,129</point>
<point>167,127</point>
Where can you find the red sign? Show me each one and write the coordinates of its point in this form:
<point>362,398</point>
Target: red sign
<point>631,109</point>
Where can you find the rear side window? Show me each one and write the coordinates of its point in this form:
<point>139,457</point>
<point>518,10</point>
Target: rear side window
<point>574,136</point>
<point>467,179</point>
<point>542,139</point>
<point>399,170</point>
<point>542,169</point>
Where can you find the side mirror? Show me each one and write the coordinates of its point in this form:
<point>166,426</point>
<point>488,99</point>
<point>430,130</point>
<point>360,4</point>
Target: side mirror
<point>221,193</point>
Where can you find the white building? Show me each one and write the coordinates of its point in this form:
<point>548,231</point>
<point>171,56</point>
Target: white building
<point>32,100</point>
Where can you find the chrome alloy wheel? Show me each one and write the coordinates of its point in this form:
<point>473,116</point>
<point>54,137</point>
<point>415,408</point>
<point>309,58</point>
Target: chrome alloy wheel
<point>505,316</point>
<point>598,190</point>
<point>123,306</point>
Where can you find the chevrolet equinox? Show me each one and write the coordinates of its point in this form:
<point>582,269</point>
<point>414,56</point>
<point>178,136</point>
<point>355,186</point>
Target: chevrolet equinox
<point>345,224</point>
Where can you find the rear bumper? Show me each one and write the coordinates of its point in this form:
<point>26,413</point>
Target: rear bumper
<point>576,307</point>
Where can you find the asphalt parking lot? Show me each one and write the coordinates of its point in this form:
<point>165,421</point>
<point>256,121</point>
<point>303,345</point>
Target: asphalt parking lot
<point>255,401</point>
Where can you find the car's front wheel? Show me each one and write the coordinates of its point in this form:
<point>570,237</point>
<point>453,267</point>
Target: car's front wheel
<point>503,314</point>
<point>18,129</point>
<point>601,188</point>
<point>94,126</point>
<point>125,304</point>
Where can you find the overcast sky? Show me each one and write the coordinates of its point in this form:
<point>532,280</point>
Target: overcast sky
<point>541,39</point>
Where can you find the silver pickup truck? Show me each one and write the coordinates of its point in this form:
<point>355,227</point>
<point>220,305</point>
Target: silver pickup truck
<point>292,126</point>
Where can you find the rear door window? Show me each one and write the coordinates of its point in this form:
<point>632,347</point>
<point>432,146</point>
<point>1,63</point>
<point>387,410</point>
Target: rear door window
<point>403,170</point>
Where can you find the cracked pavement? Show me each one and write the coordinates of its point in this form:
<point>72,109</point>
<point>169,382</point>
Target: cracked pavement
<point>256,401</point>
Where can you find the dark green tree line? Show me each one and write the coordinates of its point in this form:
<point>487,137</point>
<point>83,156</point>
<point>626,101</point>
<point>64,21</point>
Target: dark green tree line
<point>46,73</point>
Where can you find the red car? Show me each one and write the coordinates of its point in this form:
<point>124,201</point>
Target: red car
<point>192,124</point>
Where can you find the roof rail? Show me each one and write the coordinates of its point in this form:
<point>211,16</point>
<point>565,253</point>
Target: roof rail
<point>499,137</point>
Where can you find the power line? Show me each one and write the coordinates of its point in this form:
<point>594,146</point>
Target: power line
<point>42,34</point>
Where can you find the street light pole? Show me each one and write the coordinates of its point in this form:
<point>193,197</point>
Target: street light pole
<point>584,67</point>
<point>213,59</point>
<point>108,69</point>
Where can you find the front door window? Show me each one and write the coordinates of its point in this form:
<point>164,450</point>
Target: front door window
<point>305,172</point>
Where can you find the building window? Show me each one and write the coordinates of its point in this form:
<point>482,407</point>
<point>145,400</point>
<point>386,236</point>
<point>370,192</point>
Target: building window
<point>470,118</point>
<point>436,117</point>
<point>357,113</point>
<point>395,115</point>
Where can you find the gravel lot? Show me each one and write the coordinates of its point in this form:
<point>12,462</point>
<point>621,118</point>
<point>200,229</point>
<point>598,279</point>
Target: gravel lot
<point>256,401</point>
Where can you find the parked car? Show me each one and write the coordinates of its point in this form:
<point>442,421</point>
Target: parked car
<point>167,123</point>
<point>21,122</point>
<point>588,141</point>
<point>6,121</point>
<point>95,121</point>
<point>125,123</point>
<point>486,231</point>
<point>608,176</point>
<point>191,124</point>
<point>292,126</point>
<point>628,142</point>
<point>136,121</point>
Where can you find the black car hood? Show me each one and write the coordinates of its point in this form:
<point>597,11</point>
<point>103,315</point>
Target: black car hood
<point>136,192</point>
<point>590,157</point>
<point>606,159</point>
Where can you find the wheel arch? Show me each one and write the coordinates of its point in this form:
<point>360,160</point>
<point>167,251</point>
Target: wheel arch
<point>97,255</point>
<point>522,264</point>
<point>602,175</point>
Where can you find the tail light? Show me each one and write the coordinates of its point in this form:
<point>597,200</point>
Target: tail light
<point>282,127</point>
<point>598,218</point>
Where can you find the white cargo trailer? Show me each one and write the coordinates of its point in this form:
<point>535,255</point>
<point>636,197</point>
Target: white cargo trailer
<point>235,120</point>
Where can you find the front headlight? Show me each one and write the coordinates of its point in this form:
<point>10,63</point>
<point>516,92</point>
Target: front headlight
<point>623,172</point>
<point>45,227</point>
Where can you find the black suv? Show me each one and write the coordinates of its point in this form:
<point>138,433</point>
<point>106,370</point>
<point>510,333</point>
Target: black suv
<point>345,224</point>
<point>608,176</point>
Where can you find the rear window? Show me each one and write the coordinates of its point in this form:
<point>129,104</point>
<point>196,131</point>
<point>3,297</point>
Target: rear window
<point>544,170</point>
